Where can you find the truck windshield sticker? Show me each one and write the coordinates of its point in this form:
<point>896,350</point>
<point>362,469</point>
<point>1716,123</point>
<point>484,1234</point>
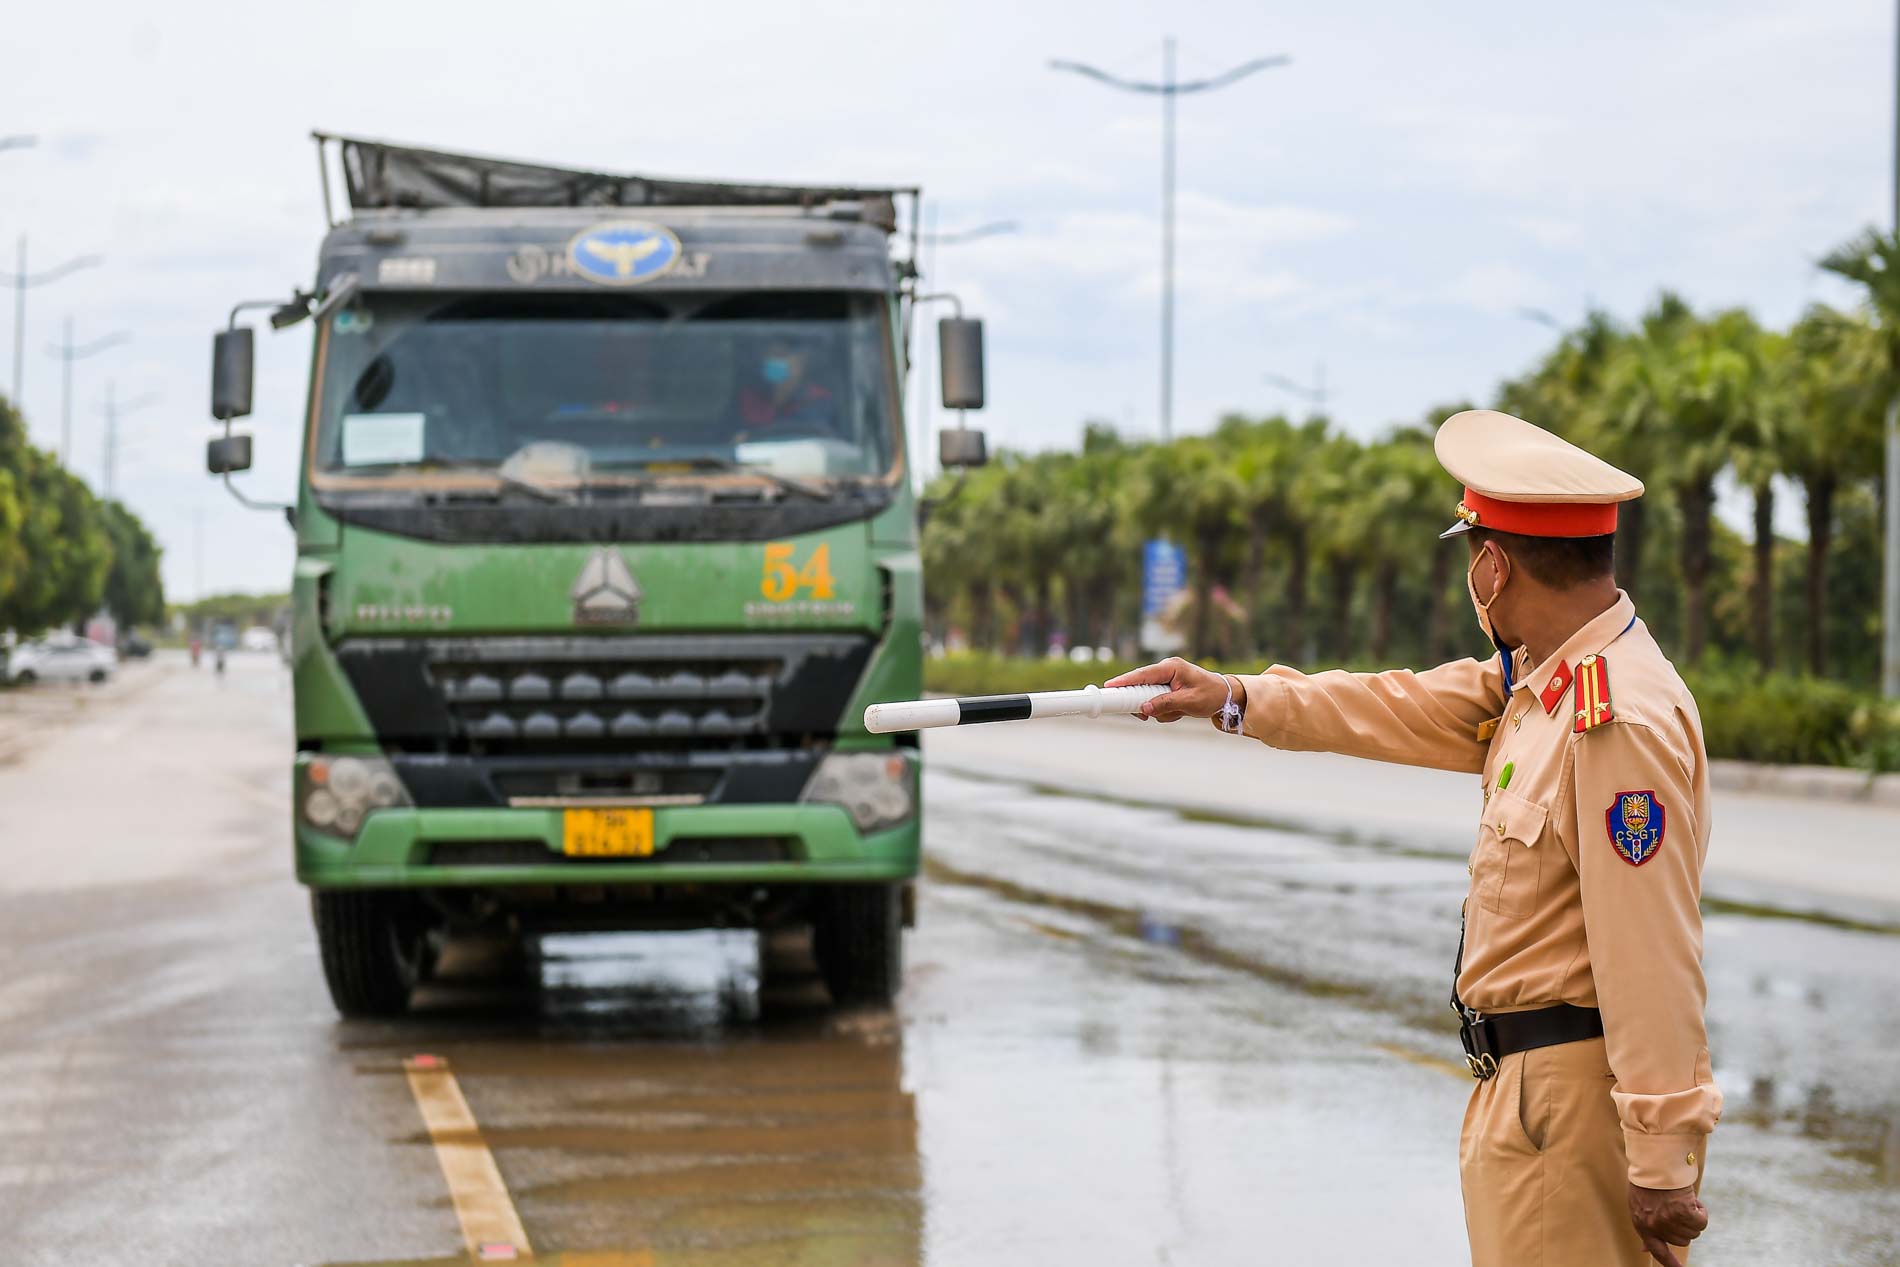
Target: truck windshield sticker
<point>379,439</point>
<point>623,252</point>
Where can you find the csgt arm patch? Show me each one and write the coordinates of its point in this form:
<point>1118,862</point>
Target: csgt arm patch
<point>1636,821</point>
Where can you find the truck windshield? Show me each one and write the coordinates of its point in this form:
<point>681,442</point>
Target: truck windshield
<point>795,384</point>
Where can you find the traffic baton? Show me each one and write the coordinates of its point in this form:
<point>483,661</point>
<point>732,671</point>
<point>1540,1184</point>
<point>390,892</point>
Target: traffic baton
<point>1090,701</point>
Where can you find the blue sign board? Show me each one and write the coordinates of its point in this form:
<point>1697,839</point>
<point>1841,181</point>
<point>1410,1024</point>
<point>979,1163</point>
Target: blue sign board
<point>1163,575</point>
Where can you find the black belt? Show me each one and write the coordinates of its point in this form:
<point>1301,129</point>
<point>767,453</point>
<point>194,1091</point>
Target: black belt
<point>1489,1039</point>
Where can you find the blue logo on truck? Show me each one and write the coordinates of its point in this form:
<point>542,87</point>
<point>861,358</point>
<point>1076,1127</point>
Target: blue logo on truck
<point>623,252</point>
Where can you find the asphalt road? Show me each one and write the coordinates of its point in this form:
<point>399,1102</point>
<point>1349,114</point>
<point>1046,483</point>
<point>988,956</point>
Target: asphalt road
<point>1129,1034</point>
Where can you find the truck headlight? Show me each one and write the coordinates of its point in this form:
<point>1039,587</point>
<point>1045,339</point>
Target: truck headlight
<point>878,789</point>
<point>335,794</point>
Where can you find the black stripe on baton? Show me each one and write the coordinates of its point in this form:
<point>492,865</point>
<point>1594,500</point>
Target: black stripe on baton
<point>981,708</point>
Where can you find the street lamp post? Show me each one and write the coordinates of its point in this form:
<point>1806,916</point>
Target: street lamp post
<point>115,410</point>
<point>1168,89</point>
<point>1890,596</point>
<point>23,281</point>
<point>68,351</point>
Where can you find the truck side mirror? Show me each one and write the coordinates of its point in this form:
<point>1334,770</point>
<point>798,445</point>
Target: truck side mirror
<point>960,357</point>
<point>231,375</point>
<point>961,446</point>
<point>226,454</point>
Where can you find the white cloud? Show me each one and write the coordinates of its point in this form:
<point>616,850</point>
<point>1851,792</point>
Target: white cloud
<point>1497,288</point>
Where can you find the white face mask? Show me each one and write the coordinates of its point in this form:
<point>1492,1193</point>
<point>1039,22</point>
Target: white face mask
<point>1483,608</point>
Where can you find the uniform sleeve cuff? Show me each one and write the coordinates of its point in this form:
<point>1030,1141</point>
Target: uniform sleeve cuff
<point>1263,694</point>
<point>1664,1161</point>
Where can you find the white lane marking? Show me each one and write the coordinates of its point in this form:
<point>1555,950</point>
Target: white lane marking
<point>489,1223</point>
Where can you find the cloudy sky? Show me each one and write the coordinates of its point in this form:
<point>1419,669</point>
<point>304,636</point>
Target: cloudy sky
<point>1388,204</point>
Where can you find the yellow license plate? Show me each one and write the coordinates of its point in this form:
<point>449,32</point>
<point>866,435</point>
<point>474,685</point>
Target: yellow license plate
<point>607,833</point>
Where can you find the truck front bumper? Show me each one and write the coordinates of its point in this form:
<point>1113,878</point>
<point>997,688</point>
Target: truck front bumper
<point>782,844</point>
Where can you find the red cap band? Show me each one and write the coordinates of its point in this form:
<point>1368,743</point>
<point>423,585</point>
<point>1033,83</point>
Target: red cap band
<point>1541,519</point>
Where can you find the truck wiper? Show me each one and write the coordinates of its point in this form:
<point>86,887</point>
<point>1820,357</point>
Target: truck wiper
<point>711,462</point>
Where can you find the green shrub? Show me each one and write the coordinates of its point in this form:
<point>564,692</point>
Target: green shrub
<point>1781,718</point>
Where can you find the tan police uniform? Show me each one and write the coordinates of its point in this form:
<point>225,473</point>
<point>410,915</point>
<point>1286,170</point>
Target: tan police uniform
<point>1585,876</point>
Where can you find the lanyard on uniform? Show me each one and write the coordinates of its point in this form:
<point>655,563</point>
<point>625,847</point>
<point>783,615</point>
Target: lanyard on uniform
<point>1465,1014</point>
<point>1505,658</point>
<point>1458,964</point>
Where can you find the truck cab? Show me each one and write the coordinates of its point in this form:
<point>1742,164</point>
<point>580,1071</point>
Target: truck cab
<point>606,535</point>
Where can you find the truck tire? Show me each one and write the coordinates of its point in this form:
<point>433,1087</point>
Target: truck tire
<point>858,940</point>
<point>373,955</point>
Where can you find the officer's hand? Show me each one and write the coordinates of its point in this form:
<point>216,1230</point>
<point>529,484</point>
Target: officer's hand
<point>1665,1217</point>
<point>1192,690</point>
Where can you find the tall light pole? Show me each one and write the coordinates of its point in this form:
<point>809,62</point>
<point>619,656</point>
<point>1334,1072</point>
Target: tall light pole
<point>1890,597</point>
<point>1168,89</point>
<point>23,281</point>
<point>929,241</point>
<point>115,410</point>
<point>68,351</point>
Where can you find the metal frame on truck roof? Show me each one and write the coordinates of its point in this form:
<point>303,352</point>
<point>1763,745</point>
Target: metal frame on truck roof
<point>382,175</point>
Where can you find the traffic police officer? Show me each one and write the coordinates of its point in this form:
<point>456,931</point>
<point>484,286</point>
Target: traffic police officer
<point>1579,981</point>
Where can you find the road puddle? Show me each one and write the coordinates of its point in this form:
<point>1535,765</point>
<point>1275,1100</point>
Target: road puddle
<point>685,1099</point>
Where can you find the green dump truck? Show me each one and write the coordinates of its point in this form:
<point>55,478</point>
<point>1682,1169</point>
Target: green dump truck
<point>605,538</point>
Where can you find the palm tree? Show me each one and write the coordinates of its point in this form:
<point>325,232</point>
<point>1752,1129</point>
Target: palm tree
<point>1189,489</point>
<point>1872,259</point>
<point>1337,537</point>
<point>1841,385</point>
<point>1267,456</point>
<point>952,553</point>
<point>1572,392</point>
<point>1758,462</point>
<point>1690,382</point>
<point>1403,503</point>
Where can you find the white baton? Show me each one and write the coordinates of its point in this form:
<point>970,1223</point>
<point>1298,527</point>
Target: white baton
<point>1090,701</point>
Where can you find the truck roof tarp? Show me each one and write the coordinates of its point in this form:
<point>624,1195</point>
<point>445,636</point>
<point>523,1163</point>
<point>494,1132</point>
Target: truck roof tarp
<point>382,175</point>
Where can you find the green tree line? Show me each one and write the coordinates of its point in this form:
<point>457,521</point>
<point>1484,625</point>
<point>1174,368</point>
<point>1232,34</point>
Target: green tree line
<point>1307,545</point>
<point>65,553</point>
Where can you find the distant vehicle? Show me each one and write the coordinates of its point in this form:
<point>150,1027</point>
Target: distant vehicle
<point>67,660</point>
<point>258,638</point>
<point>134,646</point>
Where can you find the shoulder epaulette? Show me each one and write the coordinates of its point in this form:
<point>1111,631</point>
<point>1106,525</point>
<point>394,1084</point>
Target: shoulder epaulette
<point>1593,693</point>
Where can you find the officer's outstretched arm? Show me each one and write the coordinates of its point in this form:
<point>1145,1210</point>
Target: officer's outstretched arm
<point>1640,854</point>
<point>1431,718</point>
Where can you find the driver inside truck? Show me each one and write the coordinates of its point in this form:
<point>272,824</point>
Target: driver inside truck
<point>785,386</point>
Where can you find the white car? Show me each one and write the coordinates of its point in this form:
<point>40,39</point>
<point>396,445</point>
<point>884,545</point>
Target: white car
<point>68,660</point>
<point>258,638</point>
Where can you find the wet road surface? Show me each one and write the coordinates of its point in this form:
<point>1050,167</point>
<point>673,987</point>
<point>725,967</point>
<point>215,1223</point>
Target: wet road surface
<point>1128,1035</point>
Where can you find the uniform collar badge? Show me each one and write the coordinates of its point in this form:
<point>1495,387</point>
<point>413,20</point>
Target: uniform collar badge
<point>1636,821</point>
<point>1553,692</point>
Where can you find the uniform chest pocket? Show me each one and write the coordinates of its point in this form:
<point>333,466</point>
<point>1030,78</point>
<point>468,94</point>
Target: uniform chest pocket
<point>1509,855</point>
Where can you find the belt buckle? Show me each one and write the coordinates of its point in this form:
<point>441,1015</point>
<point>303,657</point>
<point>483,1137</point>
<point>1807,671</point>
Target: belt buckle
<point>1483,1064</point>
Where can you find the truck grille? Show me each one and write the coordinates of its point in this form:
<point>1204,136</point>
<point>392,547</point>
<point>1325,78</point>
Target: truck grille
<point>604,694</point>
<point>542,697</point>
